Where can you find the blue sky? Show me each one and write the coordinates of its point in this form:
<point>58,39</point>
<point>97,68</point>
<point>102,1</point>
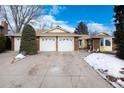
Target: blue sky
<point>100,14</point>
<point>93,15</point>
<point>96,17</point>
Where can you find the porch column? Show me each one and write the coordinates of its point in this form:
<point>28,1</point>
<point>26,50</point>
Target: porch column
<point>103,42</point>
<point>76,44</point>
<point>56,43</point>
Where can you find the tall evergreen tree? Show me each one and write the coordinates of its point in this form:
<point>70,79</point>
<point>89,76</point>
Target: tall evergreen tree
<point>119,33</point>
<point>28,40</point>
<point>81,29</point>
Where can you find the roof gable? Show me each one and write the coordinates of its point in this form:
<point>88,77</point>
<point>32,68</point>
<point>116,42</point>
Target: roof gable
<point>57,29</point>
<point>103,34</point>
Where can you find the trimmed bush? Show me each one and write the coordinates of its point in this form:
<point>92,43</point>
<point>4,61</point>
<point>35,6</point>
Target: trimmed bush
<point>28,40</point>
<point>2,43</point>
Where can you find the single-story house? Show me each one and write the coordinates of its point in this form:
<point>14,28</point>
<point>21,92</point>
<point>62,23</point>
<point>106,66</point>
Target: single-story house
<point>56,39</point>
<point>102,42</point>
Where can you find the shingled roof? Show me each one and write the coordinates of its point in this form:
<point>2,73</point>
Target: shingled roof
<point>46,33</point>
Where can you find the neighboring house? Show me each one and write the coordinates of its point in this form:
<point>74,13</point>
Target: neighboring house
<point>102,42</point>
<point>56,39</point>
<point>3,28</point>
<point>4,31</point>
<point>83,41</point>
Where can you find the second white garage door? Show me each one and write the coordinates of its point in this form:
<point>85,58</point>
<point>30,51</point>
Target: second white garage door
<point>48,44</point>
<point>65,43</point>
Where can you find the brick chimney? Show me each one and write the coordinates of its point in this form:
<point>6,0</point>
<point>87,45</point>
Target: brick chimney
<point>5,27</point>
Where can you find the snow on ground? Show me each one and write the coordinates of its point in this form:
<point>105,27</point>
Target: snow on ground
<point>107,64</point>
<point>20,56</point>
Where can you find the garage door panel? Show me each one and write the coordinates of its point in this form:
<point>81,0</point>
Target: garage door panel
<point>48,44</point>
<point>65,44</point>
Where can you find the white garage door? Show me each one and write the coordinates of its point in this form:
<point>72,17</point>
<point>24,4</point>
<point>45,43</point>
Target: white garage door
<point>48,44</point>
<point>65,43</point>
<point>17,41</point>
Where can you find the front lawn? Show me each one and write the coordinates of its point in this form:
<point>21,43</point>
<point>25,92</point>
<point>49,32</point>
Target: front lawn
<point>108,66</point>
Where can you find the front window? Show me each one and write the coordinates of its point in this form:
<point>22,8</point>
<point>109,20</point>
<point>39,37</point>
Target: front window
<point>107,42</point>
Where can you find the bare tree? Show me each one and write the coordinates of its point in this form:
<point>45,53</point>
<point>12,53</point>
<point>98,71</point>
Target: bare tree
<point>93,33</point>
<point>19,15</point>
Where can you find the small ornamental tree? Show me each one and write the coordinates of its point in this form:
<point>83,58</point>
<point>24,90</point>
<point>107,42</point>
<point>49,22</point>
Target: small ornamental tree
<point>81,29</point>
<point>2,43</point>
<point>119,33</point>
<point>28,40</point>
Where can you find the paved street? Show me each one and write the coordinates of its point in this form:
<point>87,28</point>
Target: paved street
<point>49,70</point>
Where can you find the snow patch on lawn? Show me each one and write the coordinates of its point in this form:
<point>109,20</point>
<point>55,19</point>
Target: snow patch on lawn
<point>107,64</point>
<point>19,56</point>
<point>120,83</point>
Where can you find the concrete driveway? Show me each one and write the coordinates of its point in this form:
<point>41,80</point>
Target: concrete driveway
<point>49,70</point>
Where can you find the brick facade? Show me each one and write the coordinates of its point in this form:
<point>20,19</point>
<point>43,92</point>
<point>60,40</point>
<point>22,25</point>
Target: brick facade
<point>76,44</point>
<point>96,44</point>
<point>12,43</point>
